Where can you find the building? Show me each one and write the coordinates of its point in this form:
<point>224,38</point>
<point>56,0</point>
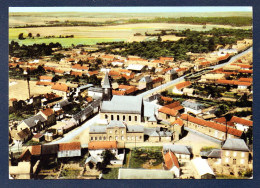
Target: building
<point>203,170</point>
<point>60,89</point>
<point>171,163</point>
<point>210,128</point>
<point>34,123</point>
<point>241,124</point>
<point>72,149</point>
<point>129,109</point>
<point>178,88</point>
<point>235,153</point>
<point>181,152</point>
<point>191,106</point>
<point>167,114</point>
<point>49,115</point>
<point>22,171</point>
<point>117,131</point>
<point>177,128</point>
<point>145,82</point>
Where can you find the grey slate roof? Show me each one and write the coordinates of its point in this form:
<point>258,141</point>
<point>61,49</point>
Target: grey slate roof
<point>192,104</point>
<point>32,121</point>
<point>96,103</point>
<point>64,103</point>
<point>176,149</point>
<point>151,131</point>
<point>106,83</point>
<point>115,124</point>
<point>98,129</point>
<point>95,89</point>
<point>152,119</point>
<point>86,111</point>
<point>235,144</point>
<point>215,153</point>
<point>123,104</point>
<point>91,159</point>
<point>85,86</point>
<point>135,129</point>
<point>172,71</point>
<point>165,134</point>
<point>149,109</point>
<point>146,79</point>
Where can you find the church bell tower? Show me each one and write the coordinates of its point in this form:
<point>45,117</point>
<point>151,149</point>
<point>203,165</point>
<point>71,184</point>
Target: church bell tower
<point>107,89</point>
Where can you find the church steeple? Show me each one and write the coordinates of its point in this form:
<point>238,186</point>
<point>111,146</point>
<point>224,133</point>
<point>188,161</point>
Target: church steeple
<point>107,88</point>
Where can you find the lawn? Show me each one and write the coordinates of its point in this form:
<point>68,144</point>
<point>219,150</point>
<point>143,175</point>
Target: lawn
<point>112,174</point>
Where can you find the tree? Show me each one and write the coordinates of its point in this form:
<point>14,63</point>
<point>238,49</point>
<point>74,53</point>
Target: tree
<point>30,35</point>
<point>38,35</point>
<point>107,157</point>
<point>20,36</point>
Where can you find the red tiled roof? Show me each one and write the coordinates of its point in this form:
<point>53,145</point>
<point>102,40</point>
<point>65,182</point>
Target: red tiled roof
<point>205,63</point>
<point>157,61</point>
<point>47,112</point>
<point>168,111</point>
<point>125,70</point>
<point>239,120</point>
<point>69,146</point>
<point>49,68</point>
<point>170,160</point>
<point>116,92</point>
<point>159,79</point>
<point>13,99</point>
<point>128,89</point>
<point>213,125</point>
<point>50,96</point>
<point>173,105</point>
<point>166,58</point>
<point>136,59</point>
<point>113,73</point>
<point>102,145</point>
<point>58,71</point>
<point>75,73</point>
<point>246,80</point>
<point>183,85</point>
<point>45,83</point>
<point>243,83</point>
<point>79,67</point>
<point>89,99</point>
<point>245,71</point>
<point>181,69</point>
<point>107,57</point>
<point>223,57</point>
<point>222,120</point>
<point>178,121</point>
<point>245,66</point>
<point>168,99</point>
<point>60,87</point>
<point>36,150</point>
<point>92,72</point>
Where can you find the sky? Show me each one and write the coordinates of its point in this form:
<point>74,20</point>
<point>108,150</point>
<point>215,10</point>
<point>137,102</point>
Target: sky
<point>132,9</point>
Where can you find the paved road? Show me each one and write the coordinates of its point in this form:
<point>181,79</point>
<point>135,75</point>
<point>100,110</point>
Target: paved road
<point>72,134</point>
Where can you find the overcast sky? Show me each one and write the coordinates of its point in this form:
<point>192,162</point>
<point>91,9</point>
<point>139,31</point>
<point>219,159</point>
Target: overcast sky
<point>131,9</point>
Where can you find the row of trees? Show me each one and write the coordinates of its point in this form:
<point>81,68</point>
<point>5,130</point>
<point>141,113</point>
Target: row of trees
<point>32,51</point>
<point>30,35</point>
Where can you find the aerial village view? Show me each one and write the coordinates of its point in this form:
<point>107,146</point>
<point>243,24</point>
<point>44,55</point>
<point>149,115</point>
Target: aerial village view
<point>130,93</point>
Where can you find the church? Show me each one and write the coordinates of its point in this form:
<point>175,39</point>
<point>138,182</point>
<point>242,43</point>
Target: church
<point>128,109</point>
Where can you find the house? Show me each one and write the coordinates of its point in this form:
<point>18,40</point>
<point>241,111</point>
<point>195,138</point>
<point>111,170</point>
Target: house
<point>36,150</point>
<point>34,123</point>
<point>157,81</point>
<point>137,68</point>
<point>22,136</point>
<point>95,92</point>
<point>145,82</point>
<point>171,163</point>
<point>191,106</point>
<point>181,152</point>
<point>235,153</point>
<point>82,115</point>
<point>178,88</point>
<point>170,75</point>
<point>203,170</point>
<point>72,149</point>
<point>49,115</point>
<point>38,137</point>
<point>125,90</point>
<point>210,128</point>
<point>49,152</point>
<point>212,78</point>
<point>128,173</point>
<point>45,78</point>
<point>60,89</point>
<point>60,105</point>
<point>96,148</point>
<point>213,156</point>
<point>167,114</point>
<point>241,124</point>
<point>177,128</point>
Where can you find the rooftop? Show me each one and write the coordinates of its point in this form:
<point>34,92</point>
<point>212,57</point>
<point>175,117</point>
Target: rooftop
<point>235,144</point>
<point>102,145</point>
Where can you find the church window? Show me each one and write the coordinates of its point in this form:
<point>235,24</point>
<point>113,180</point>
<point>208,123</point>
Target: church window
<point>135,118</point>
<point>117,117</point>
<point>112,117</point>
<point>130,118</point>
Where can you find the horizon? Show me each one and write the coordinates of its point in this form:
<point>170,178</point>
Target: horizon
<point>197,9</point>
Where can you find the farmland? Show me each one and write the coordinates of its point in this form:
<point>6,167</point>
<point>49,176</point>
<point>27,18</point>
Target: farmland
<point>91,35</point>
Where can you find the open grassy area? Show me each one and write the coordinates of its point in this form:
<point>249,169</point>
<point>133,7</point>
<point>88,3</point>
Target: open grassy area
<point>141,156</point>
<point>112,174</point>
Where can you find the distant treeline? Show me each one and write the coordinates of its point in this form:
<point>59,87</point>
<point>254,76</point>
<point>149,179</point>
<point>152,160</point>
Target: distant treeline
<point>233,21</point>
<point>194,41</point>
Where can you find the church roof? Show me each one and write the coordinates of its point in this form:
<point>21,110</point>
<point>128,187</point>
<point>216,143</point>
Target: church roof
<point>123,104</point>
<point>106,83</point>
<point>115,124</point>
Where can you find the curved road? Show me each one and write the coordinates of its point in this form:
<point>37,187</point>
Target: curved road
<point>69,136</point>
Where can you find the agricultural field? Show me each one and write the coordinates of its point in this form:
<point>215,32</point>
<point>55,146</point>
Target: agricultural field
<point>88,35</point>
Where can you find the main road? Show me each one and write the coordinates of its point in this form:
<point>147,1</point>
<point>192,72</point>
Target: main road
<point>69,136</point>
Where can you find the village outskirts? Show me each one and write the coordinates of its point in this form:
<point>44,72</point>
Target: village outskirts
<point>81,113</point>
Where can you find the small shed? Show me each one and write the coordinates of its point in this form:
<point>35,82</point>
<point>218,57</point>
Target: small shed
<point>203,169</point>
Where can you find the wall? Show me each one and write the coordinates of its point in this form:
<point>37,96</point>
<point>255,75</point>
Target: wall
<point>122,117</point>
